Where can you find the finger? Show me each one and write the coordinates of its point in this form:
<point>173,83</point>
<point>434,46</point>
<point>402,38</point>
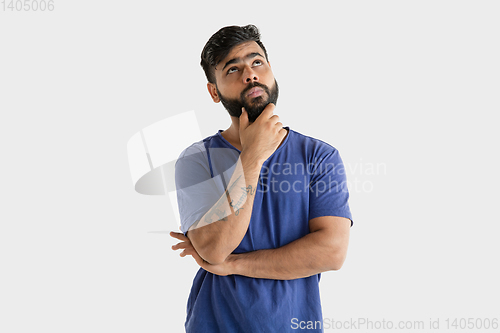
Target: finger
<point>268,111</point>
<point>182,245</point>
<point>243,119</point>
<point>274,119</point>
<point>187,252</point>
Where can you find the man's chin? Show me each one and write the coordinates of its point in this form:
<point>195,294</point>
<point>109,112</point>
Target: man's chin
<point>257,103</point>
<point>254,112</point>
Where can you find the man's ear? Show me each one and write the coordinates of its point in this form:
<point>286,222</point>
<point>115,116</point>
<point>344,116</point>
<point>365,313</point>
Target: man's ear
<point>212,90</point>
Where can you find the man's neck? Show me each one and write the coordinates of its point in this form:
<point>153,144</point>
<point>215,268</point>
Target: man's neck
<point>232,134</point>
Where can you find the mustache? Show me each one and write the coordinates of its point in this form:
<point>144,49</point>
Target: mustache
<point>252,85</point>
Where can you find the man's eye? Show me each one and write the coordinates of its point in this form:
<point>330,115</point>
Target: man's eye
<point>257,63</point>
<point>232,70</point>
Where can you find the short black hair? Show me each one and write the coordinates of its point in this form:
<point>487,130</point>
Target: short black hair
<point>221,43</point>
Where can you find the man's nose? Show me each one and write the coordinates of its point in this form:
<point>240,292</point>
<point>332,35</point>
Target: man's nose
<point>249,75</point>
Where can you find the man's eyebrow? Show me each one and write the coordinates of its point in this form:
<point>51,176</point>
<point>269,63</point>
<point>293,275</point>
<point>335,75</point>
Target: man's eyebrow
<point>236,60</point>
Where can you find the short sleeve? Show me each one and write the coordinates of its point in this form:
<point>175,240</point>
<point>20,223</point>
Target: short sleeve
<point>196,190</point>
<point>329,195</point>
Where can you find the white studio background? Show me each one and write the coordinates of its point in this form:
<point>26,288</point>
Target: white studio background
<point>406,90</point>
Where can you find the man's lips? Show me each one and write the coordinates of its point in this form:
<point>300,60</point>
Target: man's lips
<point>255,92</point>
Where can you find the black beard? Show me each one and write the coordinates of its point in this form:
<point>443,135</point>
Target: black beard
<point>257,105</point>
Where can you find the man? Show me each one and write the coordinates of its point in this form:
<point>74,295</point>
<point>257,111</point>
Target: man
<point>264,209</point>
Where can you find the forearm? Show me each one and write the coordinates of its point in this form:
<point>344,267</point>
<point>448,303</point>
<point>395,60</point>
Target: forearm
<point>312,254</point>
<point>223,227</point>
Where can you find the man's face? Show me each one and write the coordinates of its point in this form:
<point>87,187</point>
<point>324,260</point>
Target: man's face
<point>244,79</point>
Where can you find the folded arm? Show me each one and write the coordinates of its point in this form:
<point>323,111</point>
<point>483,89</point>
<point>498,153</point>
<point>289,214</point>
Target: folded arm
<point>323,249</point>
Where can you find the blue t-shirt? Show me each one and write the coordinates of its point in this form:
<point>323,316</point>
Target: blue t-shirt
<point>303,179</point>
